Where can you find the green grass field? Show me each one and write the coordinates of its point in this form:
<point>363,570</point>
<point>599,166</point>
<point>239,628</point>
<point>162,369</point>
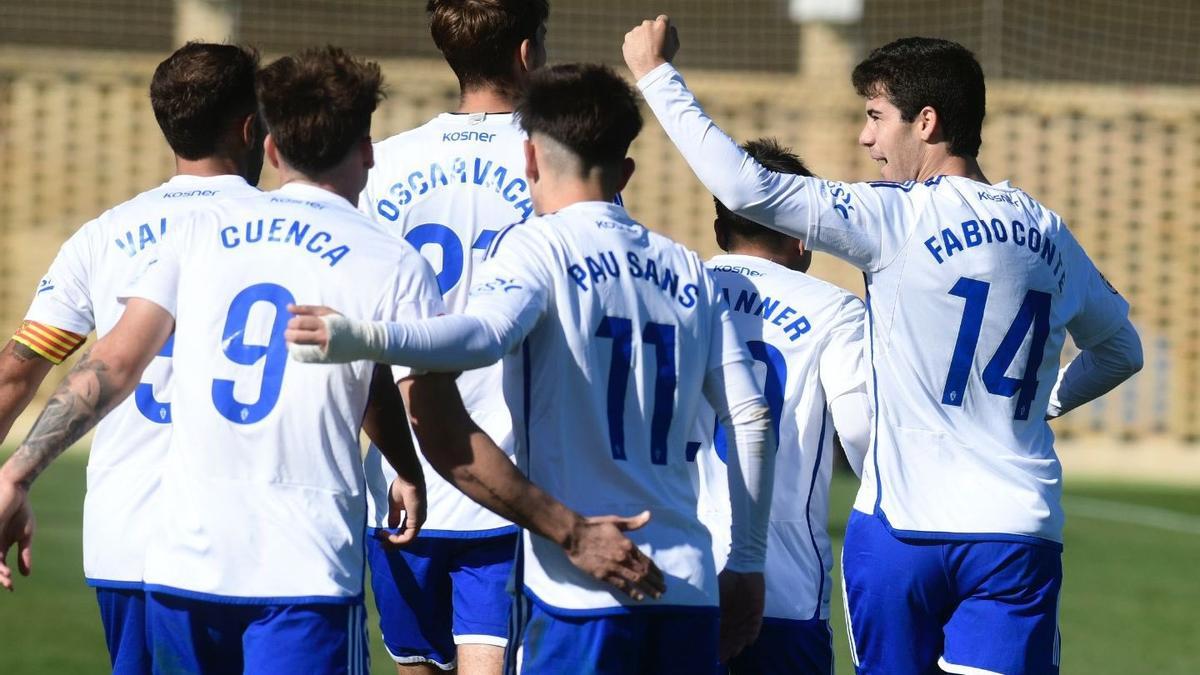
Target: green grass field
<point>1131,601</point>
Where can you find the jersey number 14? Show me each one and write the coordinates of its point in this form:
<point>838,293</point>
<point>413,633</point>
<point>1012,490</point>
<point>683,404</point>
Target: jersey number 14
<point>1034,313</point>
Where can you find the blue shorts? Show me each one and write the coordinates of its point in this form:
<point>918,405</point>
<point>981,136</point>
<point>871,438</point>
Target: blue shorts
<point>963,606</point>
<point>201,636</point>
<point>671,641</point>
<point>786,647</point>
<point>440,592</point>
<point>123,613</point>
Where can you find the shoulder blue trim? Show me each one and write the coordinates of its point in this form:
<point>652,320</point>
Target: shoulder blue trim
<point>118,585</point>
<point>494,246</point>
<point>933,182</point>
<point>620,610</point>
<point>505,531</point>
<point>1005,537</point>
<point>619,200</point>
<point>272,600</point>
<point>905,186</point>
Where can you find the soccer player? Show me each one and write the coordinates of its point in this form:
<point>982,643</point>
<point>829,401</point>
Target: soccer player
<point>806,337</point>
<point>953,551</point>
<point>448,187</point>
<point>256,560</point>
<point>609,334</point>
<point>203,99</point>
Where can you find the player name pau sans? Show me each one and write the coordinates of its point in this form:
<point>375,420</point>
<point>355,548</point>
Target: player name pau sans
<point>606,266</point>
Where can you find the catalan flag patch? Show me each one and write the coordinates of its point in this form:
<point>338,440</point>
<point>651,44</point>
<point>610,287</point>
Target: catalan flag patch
<point>52,344</point>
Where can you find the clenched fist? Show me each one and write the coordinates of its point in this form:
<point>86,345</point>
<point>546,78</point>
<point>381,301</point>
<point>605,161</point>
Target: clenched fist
<point>650,45</point>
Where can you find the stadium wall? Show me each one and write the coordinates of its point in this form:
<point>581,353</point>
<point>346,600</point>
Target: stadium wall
<point>1120,162</point>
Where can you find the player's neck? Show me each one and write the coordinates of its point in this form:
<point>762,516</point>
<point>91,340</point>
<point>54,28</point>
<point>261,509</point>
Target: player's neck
<point>485,100</point>
<point>207,167</point>
<point>952,165</point>
<point>766,253</point>
<point>568,192</point>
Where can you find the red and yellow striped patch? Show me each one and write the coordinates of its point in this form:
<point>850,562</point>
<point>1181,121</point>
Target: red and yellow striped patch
<point>52,344</point>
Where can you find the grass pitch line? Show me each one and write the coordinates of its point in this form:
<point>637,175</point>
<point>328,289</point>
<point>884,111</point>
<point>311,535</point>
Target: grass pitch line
<point>1133,514</point>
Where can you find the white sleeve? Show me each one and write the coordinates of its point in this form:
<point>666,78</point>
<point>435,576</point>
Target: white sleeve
<point>1096,370</point>
<point>63,298</point>
<point>413,295</point>
<point>503,308</point>
<point>734,393</point>
<point>843,372</point>
<point>863,223</point>
<point>1103,311</point>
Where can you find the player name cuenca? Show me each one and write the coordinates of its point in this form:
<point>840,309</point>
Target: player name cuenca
<point>277,231</point>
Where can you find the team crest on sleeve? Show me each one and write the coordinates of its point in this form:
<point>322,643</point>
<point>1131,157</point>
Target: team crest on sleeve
<point>46,284</point>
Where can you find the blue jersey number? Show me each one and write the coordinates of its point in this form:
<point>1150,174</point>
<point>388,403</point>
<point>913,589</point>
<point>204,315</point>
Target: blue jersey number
<point>1034,313</point>
<point>151,408</point>
<point>662,336</point>
<point>452,249</point>
<point>777,373</point>
<point>273,354</point>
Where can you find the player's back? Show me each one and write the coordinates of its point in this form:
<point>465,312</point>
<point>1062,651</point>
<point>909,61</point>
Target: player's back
<point>447,187</point>
<point>792,324</point>
<point>80,293</point>
<point>264,472</point>
<point>970,306</point>
<point>605,389</point>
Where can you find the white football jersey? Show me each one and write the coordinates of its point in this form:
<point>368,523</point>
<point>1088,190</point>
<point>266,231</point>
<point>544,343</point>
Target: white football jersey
<point>971,291</point>
<point>79,294</point>
<point>806,337</point>
<point>447,187</point>
<point>606,386</point>
<point>263,483</point>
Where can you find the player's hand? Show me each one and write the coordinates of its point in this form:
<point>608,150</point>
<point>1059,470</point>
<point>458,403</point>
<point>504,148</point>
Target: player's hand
<point>307,333</point>
<point>743,597</point>
<point>16,527</point>
<point>599,547</point>
<point>406,514</point>
<point>650,45</point>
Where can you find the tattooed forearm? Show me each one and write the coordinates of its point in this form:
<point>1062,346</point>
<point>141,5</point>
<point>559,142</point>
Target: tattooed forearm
<point>84,397</point>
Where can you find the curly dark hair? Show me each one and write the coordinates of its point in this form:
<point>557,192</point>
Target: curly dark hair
<point>479,37</point>
<point>915,72</point>
<point>587,108</point>
<point>317,103</point>
<point>201,93</point>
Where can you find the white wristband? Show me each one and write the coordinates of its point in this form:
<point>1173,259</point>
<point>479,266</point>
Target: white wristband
<point>349,340</point>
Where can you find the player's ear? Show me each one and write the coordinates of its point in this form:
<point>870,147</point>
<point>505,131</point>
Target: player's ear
<point>627,167</point>
<point>250,130</point>
<point>271,150</point>
<point>368,152</point>
<point>531,164</point>
<point>721,234</point>
<point>927,125</point>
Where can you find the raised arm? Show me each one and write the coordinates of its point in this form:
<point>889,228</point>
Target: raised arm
<point>466,457</point>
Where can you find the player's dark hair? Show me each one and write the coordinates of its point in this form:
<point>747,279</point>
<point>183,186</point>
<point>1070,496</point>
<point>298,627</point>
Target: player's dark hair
<point>587,108</point>
<point>317,104</point>
<point>915,72</point>
<point>201,93</point>
<point>479,37</point>
<point>777,158</point>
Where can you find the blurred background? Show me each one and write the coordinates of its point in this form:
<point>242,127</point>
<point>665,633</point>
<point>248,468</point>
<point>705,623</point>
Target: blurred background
<point>1093,107</point>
